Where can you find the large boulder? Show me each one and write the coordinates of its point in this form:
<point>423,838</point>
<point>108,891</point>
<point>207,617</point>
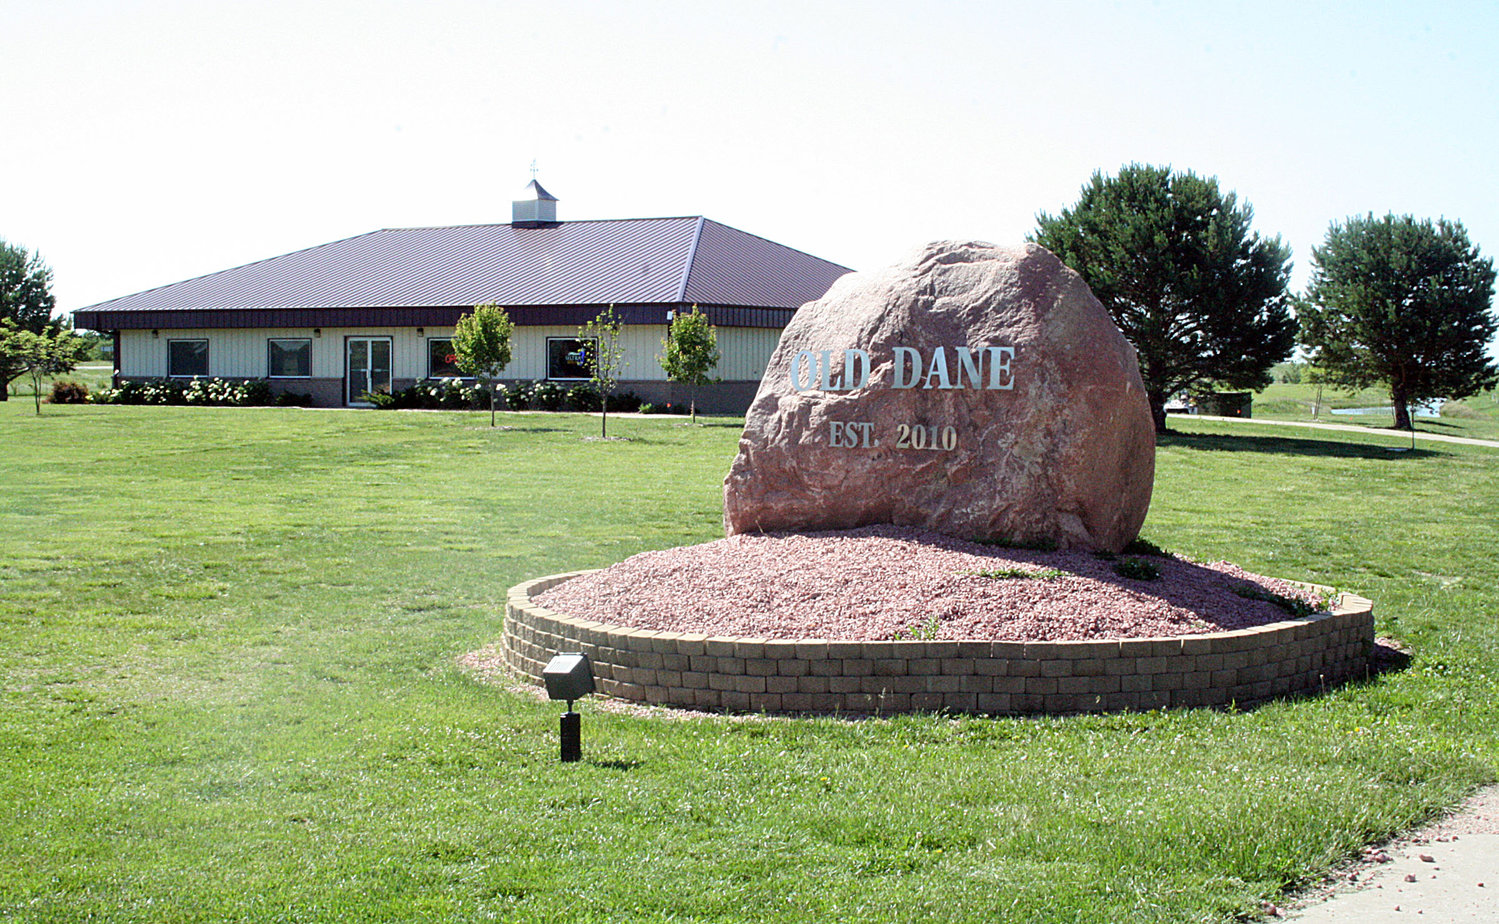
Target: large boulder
<point>973,390</point>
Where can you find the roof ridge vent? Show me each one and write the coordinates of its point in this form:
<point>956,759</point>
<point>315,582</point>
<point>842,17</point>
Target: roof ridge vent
<point>536,208</point>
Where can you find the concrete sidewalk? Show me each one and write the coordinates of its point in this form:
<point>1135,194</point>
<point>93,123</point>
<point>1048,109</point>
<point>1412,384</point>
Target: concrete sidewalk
<point>1347,428</point>
<point>1447,872</point>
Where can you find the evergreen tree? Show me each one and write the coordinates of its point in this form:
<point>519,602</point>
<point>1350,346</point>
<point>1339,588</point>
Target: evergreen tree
<point>1200,296</point>
<point>1404,303</point>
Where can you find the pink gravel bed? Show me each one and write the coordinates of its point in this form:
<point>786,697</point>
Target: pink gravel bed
<point>883,582</point>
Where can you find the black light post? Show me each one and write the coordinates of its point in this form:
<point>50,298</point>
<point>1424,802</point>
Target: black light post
<point>568,677</point>
<point>571,736</point>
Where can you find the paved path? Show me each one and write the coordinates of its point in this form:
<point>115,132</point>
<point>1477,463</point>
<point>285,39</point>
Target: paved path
<point>1349,428</point>
<point>1444,874</point>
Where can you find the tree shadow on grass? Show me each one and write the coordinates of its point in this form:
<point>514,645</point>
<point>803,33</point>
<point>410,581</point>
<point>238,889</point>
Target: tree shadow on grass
<point>519,428</point>
<point>708,423</point>
<point>617,764</point>
<point>1293,446</point>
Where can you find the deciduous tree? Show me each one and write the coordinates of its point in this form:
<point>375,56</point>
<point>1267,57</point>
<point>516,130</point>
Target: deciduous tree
<point>1200,296</point>
<point>25,299</point>
<point>54,351</point>
<point>690,352</point>
<point>1404,303</point>
<point>481,345</point>
<point>604,357</point>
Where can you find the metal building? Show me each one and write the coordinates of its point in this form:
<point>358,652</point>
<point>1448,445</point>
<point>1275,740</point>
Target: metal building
<point>376,312</point>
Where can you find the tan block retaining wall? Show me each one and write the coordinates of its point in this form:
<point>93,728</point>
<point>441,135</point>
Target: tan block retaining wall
<point>1243,667</point>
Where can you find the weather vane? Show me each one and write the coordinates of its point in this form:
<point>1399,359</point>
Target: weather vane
<point>533,169</point>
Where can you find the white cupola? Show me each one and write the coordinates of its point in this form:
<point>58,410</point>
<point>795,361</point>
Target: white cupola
<point>535,208</point>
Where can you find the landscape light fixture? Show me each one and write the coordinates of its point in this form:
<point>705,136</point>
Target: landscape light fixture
<point>568,676</point>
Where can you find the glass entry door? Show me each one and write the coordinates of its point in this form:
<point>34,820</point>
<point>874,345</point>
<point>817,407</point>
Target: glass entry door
<point>366,367</point>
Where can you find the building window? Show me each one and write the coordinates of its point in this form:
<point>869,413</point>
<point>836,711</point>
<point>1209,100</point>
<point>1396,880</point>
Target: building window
<point>187,358</point>
<point>565,357</point>
<point>290,359</point>
<point>442,362</point>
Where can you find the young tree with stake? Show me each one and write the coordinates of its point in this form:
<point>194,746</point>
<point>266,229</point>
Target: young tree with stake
<point>604,357</point>
<point>481,343</point>
<point>690,352</point>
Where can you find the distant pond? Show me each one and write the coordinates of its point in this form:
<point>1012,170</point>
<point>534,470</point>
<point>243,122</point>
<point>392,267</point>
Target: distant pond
<point>1431,408</point>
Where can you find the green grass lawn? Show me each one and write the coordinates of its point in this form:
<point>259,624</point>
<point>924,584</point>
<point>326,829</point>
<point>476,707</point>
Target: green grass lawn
<point>230,694</point>
<point>1476,417</point>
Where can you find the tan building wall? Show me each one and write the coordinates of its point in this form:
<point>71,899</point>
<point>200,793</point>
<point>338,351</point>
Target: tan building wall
<point>243,353</point>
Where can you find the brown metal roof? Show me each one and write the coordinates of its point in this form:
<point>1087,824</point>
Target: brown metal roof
<point>433,271</point>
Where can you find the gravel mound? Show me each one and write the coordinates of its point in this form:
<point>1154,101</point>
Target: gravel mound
<point>886,582</point>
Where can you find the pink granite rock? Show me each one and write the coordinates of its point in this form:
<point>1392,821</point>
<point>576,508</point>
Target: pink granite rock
<point>973,390</point>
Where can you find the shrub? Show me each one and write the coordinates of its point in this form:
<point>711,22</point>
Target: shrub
<point>65,392</point>
<point>446,394</point>
<point>918,631</point>
<point>1138,546</point>
<point>256,392</point>
<point>1136,569</point>
<point>449,394</point>
<point>150,391</point>
<point>517,396</point>
<point>584,398</point>
<point>626,402</point>
<point>1293,606</point>
<point>1001,574</point>
<point>546,396</point>
<point>197,391</point>
<point>1460,410</point>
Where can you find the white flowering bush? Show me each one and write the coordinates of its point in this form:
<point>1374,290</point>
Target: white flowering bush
<point>439,394</point>
<point>197,391</point>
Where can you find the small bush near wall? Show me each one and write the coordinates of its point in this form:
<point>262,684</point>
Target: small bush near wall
<point>225,392</point>
<point>583,398</point>
<point>547,396</point>
<point>440,394</point>
<point>458,395</point>
<point>203,392</point>
<point>586,398</point>
<point>515,396</point>
<point>625,402</point>
<point>65,392</point>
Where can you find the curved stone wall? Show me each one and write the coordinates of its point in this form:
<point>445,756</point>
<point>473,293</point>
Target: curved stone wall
<point>1243,667</point>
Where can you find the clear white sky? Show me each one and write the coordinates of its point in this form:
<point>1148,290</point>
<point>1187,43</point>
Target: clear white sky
<point>146,142</point>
